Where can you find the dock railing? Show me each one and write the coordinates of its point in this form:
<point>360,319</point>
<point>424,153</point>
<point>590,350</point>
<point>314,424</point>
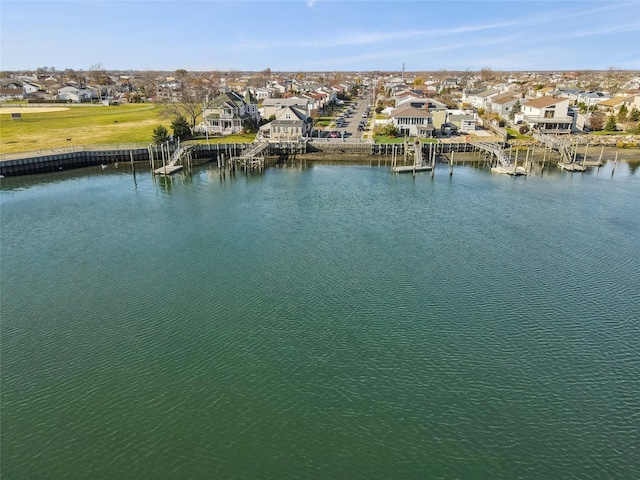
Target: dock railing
<point>496,150</point>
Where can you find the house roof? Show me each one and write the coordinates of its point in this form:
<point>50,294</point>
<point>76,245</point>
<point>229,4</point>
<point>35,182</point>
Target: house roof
<point>487,93</point>
<point>249,99</point>
<point>545,102</point>
<point>272,102</point>
<point>615,101</point>
<point>409,111</point>
<point>506,98</point>
<point>227,98</point>
<point>295,114</point>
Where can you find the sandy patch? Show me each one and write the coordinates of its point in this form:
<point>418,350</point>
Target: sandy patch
<point>9,110</point>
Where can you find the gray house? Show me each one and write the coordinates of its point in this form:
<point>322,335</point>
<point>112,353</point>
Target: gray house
<point>291,123</point>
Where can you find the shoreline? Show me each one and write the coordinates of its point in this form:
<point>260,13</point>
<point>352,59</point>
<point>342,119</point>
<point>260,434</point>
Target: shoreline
<point>335,153</point>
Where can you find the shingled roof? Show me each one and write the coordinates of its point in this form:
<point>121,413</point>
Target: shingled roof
<point>545,102</point>
<point>409,111</point>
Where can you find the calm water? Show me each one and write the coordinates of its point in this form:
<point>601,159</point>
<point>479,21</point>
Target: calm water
<point>330,323</point>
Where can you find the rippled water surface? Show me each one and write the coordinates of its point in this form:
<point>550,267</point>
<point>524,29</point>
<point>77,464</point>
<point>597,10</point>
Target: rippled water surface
<point>327,322</point>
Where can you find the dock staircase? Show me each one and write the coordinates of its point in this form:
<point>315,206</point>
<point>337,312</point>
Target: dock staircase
<point>253,157</point>
<point>563,147</point>
<point>504,163</point>
<point>172,165</point>
<point>178,153</point>
<point>495,150</point>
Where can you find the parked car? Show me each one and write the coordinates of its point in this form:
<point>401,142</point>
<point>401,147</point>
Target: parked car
<point>334,134</point>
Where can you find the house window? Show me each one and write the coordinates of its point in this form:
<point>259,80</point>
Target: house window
<point>548,113</point>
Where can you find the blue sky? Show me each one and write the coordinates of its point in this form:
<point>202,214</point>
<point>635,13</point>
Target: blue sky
<point>320,35</point>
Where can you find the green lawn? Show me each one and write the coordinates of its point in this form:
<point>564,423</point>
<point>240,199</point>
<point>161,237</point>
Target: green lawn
<point>385,139</point>
<point>80,125</point>
<point>514,134</point>
<point>238,138</point>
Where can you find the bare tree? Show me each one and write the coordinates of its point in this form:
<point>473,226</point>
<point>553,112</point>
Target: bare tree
<point>189,105</point>
<point>98,76</point>
<point>486,74</point>
<point>612,80</point>
<point>147,83</point>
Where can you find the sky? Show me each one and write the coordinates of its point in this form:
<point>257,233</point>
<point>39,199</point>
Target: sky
<point>320,35</point>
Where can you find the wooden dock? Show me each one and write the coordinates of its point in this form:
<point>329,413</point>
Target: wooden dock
<point>572,166</point>
<point>509,170</point>
<point>504,164</point>
<point>411,168</point>
<point>168,170</point>
<point>253,157</point>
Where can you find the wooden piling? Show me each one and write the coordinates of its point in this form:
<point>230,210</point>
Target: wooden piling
<point>451,165</point>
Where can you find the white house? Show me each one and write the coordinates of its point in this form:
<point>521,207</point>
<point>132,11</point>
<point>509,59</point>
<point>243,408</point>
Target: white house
<point>548,114</point>
<point>592,98</point>
<point>76,94</point>
<point>262,93</point>
<point>30,88</point>
<point>503,104</point>
<point>480,99</point>
<point>412,121</point>
<point>464,122</point>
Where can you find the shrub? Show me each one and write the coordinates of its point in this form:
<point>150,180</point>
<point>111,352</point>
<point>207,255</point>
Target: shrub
<point>160,135</point>
<point>181,128</point>
<point>610,126</point>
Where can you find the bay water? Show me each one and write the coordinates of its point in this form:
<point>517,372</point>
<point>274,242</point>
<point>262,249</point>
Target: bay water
<point>326,322</point>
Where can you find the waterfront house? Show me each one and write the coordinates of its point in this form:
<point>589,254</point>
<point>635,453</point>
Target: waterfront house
<point>412,121</point>
<point>548,114</point>
<point>227,113</point>
<point>461,121</point>
<point>291,122</point>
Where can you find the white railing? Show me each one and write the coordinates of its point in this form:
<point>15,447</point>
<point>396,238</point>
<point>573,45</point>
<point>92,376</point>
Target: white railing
<point>502,157</point>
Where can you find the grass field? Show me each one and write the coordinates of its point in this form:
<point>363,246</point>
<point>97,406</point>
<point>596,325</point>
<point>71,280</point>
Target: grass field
<point>83,125</point>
